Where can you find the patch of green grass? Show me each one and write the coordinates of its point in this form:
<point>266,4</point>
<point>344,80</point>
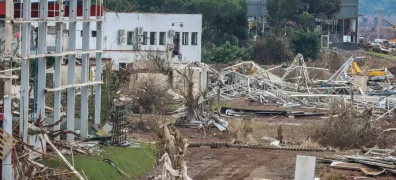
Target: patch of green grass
<point>380,55</point>
<point>134,162</point>
<point>174,107</point>
<point>172,119</point>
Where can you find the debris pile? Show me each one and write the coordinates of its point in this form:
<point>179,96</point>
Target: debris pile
<point>373,163</point>
<point>365,89</point>
<point>175,148</point>
<point>295,96</point>
<point>23,154</point>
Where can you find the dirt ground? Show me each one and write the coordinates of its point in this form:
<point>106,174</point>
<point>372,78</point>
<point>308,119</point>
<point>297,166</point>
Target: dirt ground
<point>248,164</point>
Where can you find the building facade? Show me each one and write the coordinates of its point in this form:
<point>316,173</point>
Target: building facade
<point>257,11</point>
<point>130,37</point>
<point>341,32</point>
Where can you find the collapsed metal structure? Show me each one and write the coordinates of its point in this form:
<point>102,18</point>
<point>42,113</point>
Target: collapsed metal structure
<point>60,13</point>
<point>249,80</point>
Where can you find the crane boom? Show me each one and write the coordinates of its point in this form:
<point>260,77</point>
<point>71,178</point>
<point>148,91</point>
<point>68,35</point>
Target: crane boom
<point>393,26</point>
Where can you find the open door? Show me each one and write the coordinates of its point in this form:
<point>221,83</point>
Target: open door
<point>176,42</point>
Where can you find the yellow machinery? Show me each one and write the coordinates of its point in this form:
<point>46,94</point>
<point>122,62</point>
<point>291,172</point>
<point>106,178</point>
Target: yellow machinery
<point>373,74</point>
<point>394,29</point>
<point>376,72</point>
<point>356,69</point>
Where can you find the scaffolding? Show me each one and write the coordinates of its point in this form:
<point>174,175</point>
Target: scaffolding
<point>60,13</point>
<point>119,132</point>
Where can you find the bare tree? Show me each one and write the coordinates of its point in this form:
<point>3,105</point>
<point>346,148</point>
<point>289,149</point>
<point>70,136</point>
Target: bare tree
<point>187,90</point>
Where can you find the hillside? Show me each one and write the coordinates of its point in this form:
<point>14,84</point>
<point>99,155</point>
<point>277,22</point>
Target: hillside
<point>369,7</point>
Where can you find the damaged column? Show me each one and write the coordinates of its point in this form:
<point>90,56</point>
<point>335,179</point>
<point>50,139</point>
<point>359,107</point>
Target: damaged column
<point>57,69</point>
<point>71,92</point>
<point>85,70</point>
<point>98,75</point>
<point>25,74</point>
<point>7,169</point>
<point>42,50</point>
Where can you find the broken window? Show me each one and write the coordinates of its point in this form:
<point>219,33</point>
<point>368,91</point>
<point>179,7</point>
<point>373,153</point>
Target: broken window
<point>185,38</point>
<point>162,39</point>
<point>153,38</point>
<point>176,41</point>
<point>81,33</point>
<point>144,38</point>
<point>194,38</point>
<point>93,33</point>
<point>130,37</point>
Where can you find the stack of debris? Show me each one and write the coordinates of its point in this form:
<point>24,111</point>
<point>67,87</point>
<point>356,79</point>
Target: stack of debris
<point>373,163</point>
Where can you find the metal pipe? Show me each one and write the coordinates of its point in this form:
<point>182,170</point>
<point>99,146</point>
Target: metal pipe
<point>7,70</point>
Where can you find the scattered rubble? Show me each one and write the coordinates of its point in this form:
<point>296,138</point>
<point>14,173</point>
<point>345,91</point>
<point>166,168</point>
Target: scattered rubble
<point>351,102</point>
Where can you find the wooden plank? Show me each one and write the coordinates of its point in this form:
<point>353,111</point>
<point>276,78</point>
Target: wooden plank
<point>305,168</point>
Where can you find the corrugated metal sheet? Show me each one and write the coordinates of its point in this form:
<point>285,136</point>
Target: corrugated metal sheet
<point>305,168</point>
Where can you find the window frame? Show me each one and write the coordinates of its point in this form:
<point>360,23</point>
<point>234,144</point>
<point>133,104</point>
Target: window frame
<point>94,33</point>
<point>195,43</point>
<point>145,33</point>
<point>163,42</point>
<point>185,38</point>
<point>153,38</point>
<point>132,38</point>
<point>124,63</point>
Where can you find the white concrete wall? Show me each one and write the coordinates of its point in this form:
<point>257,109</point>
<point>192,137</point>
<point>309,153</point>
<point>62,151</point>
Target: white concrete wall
<point>123,53</point>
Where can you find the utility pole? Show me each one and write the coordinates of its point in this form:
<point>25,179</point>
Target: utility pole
<point>7,124</point>
<point>379,23</point>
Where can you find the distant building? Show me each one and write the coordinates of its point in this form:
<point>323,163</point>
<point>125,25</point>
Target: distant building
<point>340,33</point>
<point>257,11</point>
<point>130,37</point>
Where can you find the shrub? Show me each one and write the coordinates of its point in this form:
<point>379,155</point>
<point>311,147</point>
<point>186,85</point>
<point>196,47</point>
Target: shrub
<point>149,93</point>
<point>307,43</point>
<point>225,53</point>
<point>345,128</point>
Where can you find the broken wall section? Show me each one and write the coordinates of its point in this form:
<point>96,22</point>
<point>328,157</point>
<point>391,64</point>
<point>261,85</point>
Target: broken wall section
<point>173,80</point>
